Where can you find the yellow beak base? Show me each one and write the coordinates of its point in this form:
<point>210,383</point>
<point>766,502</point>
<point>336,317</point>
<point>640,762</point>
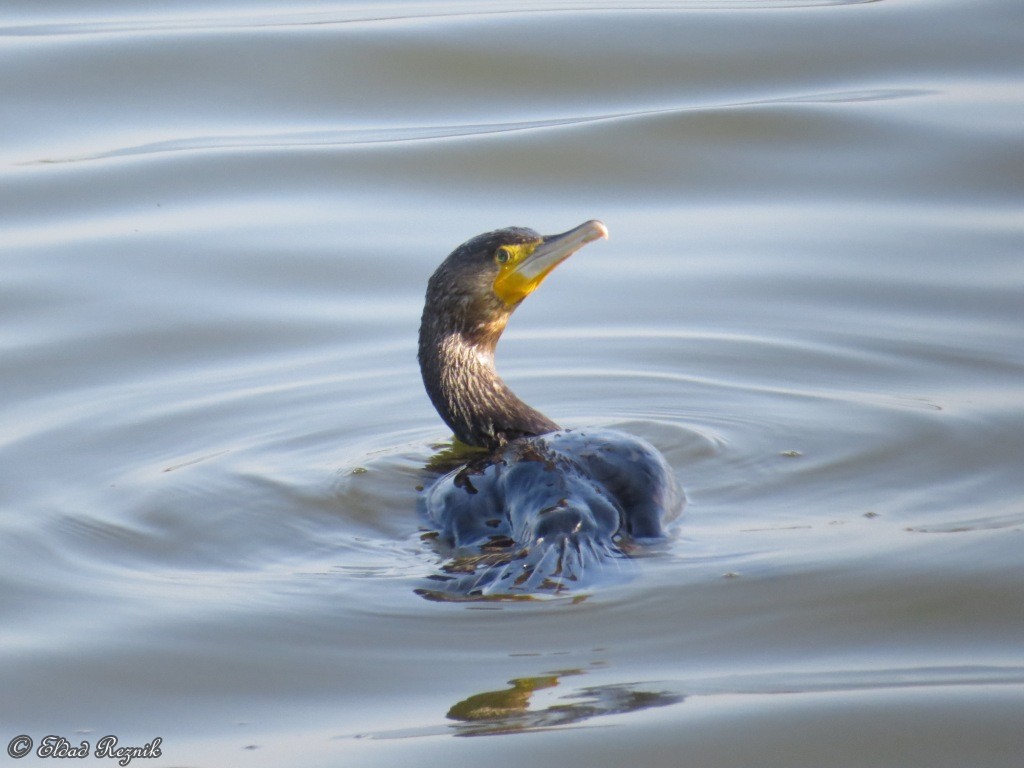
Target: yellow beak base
<point>528,264</point>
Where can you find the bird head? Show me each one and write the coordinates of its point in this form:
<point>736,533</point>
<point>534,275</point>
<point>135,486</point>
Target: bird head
<point>483,280</point>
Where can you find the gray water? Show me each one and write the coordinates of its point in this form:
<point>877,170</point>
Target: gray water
<point>218,220</point>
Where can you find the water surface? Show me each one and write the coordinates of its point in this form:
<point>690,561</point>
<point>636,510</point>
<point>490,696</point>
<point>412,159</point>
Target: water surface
<point>218,225</point>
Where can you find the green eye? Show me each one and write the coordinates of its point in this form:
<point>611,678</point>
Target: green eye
<point>502,255</point>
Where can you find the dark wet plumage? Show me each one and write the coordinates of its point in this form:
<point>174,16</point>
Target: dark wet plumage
<point>543,509</point>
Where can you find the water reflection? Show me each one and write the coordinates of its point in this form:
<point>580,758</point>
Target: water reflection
<point>508,710</point>
<point>514,709</point>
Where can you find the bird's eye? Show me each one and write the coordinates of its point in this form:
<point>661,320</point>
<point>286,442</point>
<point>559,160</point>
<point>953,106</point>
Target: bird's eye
<point>502,255</point>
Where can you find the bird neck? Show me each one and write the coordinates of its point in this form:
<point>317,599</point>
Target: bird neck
<point>470,396</point>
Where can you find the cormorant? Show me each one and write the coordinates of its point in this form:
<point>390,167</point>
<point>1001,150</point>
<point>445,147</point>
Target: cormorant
<point>544,505</point>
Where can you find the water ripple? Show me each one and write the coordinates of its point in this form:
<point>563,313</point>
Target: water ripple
<point>346,137</point>
<point>391,12</point>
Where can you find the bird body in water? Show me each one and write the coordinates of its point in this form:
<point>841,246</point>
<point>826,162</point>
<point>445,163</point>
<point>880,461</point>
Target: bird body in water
<point>543,505</point>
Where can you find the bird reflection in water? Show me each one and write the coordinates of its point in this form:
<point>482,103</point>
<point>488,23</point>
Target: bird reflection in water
<point>508,710</point>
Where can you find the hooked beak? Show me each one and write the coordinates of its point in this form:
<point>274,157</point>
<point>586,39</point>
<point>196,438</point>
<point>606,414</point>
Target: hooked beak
<point>522,278</point>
